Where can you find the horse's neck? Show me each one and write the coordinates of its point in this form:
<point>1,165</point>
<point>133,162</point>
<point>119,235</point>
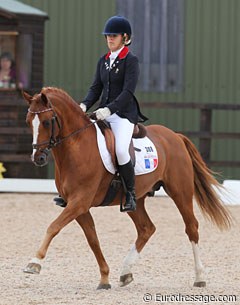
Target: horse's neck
<point>77,138</point>
<point>71,118</point>
<point>73,156</point>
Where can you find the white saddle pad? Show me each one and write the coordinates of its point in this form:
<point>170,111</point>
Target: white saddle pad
<point>146,154</point>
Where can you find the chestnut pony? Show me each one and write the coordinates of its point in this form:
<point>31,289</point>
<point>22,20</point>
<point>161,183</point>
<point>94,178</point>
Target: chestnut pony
<point>58,123</point>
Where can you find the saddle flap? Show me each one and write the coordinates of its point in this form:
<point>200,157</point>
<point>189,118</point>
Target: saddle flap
<point>110,143</point>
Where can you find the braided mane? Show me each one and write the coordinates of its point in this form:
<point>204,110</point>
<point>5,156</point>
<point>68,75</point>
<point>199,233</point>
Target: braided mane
<point>64,98</point>
<point>57,91</point>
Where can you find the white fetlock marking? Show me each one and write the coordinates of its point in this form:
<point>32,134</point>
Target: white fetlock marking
<point>199,269</point>
<point>35,260</point>
<point>129,260</point>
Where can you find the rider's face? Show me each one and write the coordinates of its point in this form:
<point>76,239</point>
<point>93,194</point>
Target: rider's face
<point>114,42</point>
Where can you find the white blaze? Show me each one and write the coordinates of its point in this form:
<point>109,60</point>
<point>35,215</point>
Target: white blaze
<point>35,124</point>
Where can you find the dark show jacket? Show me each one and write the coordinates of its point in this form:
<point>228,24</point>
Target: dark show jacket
<point>117,86</point>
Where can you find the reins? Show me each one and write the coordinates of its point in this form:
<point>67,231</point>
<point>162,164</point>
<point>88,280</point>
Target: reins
<point>74,133</point>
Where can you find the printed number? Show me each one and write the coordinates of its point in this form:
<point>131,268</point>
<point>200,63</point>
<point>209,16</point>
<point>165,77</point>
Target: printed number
<point>149,149</point>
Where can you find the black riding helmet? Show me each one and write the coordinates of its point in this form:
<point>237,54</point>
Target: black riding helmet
<point>118,25</point>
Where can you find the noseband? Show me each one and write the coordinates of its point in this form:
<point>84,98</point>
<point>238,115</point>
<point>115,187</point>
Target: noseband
<point>53,141</point>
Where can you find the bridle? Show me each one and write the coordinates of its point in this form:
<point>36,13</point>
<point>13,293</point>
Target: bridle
<point>53,140</point>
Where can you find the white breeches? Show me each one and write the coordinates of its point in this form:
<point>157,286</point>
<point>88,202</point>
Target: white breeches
<point>122,129</point>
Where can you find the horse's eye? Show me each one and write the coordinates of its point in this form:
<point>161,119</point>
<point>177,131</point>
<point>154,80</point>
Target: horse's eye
<point>46,123</point>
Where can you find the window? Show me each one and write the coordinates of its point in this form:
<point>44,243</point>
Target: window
<point>157,27</point>
<point>15,60</point>
<point>8,60</point>
<point>24,67</point>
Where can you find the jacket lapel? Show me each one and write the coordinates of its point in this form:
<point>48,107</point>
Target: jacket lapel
<point>116,62</point>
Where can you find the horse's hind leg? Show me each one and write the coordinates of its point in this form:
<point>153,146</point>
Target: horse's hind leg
<point>87,224</point>
<point>183,199</point>
<point>145,229</point>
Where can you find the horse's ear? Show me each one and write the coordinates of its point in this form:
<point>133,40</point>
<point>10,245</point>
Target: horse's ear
<point>27,97</point>
<point>44,99</point>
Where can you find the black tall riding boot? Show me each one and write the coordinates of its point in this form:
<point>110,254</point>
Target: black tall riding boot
<point>126,171</point>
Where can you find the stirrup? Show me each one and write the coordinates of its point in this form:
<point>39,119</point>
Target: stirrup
<point>130,205</point>
<point>60,201</point>
<point>129,208</point>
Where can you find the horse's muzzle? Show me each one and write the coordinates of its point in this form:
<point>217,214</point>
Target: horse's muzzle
<point>41,158</point>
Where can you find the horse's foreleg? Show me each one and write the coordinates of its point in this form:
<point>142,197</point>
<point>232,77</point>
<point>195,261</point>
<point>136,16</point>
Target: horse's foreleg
<point>87,224</point>
<point>67,215</point>
<point>145,229</point>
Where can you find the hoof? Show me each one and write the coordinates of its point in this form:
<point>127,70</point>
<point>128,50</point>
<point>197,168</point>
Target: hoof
<point>104,286</point>
<point>32,268</point>
<point>126,279</point>
<point>199,284</point>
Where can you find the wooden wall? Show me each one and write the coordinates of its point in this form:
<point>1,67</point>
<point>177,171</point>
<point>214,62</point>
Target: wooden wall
<point>15,136</point>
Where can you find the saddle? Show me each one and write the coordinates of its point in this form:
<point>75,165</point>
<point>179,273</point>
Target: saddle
<point>138,132</point>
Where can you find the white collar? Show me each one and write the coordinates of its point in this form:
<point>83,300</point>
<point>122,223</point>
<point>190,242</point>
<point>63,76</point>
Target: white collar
<point>114,54</point>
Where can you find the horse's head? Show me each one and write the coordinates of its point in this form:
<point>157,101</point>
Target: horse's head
<point>43,121</point>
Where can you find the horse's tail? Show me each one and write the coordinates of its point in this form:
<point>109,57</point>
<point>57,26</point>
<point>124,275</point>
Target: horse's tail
<point>204,184</point>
